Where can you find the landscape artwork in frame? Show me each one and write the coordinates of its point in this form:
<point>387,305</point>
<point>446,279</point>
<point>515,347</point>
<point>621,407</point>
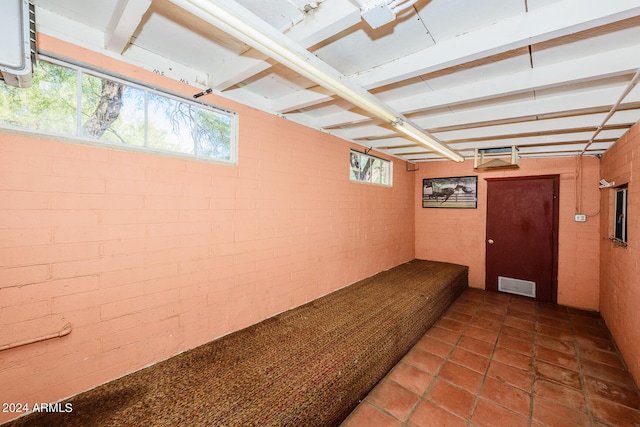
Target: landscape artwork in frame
<point>454,192</point>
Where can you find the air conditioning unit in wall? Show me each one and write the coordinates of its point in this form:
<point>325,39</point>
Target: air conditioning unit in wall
<point>17,42</point>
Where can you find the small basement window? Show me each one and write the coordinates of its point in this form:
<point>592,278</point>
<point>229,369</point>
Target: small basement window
<point>370,169</point>
<point>620,216</point>
<point>72,101</point>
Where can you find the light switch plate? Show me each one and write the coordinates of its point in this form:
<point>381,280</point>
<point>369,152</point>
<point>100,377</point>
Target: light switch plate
<point>581,218</point>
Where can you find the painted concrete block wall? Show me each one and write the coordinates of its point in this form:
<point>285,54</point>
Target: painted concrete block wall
<point>620,266</point>
<point>458,235</point>
<point>147,256</point>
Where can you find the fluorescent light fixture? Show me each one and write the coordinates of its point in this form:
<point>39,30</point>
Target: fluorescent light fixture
<point>238,22</point>
<point>414,132</point>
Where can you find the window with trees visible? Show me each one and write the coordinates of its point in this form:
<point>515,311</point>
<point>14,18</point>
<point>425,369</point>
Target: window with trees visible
<point>370,169</point>
<point>66,100</point>
<point>620,217</point>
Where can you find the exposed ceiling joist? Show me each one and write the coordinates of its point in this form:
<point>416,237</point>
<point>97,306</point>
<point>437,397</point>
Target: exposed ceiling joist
<point>124,22</point>
<point>489,74</point>
<point>243,25</point>
<point>558,19</point>
<point>592,67</point>
<point>332,16</point>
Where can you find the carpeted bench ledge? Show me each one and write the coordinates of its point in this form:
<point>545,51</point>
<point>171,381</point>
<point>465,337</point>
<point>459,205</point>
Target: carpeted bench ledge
<point>309,366</point>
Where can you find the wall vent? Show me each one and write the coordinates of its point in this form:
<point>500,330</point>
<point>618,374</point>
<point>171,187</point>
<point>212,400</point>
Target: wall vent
<point>517,286</point>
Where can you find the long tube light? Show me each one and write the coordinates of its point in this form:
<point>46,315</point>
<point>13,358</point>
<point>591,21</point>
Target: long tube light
<point>238,22</point>
<point>412,131</point>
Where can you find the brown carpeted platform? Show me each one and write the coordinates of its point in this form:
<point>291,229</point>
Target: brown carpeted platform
<point>308,366</point>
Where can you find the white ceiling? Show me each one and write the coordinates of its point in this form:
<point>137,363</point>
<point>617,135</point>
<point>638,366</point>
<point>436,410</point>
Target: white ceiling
<point>553,77</point>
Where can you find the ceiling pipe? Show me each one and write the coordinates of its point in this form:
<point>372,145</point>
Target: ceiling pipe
<point>614,108</point>
<point>240,23</point>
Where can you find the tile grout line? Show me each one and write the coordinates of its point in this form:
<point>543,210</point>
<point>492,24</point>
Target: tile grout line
<point>436,375</point>
<point>583,381</point>
<point>472,309</point>
<point>490,357</point>
<point>421,397</point>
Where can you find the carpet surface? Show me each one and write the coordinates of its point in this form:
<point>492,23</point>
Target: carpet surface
<point>308,366</point>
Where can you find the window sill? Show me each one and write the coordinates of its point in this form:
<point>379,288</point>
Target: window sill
<point>618,242</point>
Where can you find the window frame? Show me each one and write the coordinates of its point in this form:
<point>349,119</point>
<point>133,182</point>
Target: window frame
<point>371,178</point>
<point>77,137</point>
<point>620,215</point>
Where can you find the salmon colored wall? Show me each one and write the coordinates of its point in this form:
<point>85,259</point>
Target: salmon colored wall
<point>458,235</point>
<point>147,256</point>
<point>620,267</point>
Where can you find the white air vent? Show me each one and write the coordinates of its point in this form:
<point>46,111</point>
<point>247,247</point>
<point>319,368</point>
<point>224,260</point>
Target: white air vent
<point>18,46</point>
<point>517,286</point>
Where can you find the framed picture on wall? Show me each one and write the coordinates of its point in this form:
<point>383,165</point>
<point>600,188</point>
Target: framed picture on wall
<point>454,192</point>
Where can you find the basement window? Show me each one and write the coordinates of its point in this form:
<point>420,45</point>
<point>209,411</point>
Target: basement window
<point>370,169</point>
<point>620,216</point>
<point>71,101</point>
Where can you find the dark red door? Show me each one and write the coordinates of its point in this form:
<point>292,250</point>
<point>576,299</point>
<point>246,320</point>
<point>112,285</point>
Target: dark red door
<point>522,227</point>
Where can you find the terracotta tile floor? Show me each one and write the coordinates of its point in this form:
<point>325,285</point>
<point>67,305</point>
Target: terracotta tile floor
<point>499,360</point>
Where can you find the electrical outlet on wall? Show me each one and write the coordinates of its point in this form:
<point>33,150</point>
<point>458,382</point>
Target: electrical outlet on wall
<point>580,218</point>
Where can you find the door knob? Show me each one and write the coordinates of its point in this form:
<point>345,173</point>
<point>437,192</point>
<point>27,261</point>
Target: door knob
<point>490,241</point>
